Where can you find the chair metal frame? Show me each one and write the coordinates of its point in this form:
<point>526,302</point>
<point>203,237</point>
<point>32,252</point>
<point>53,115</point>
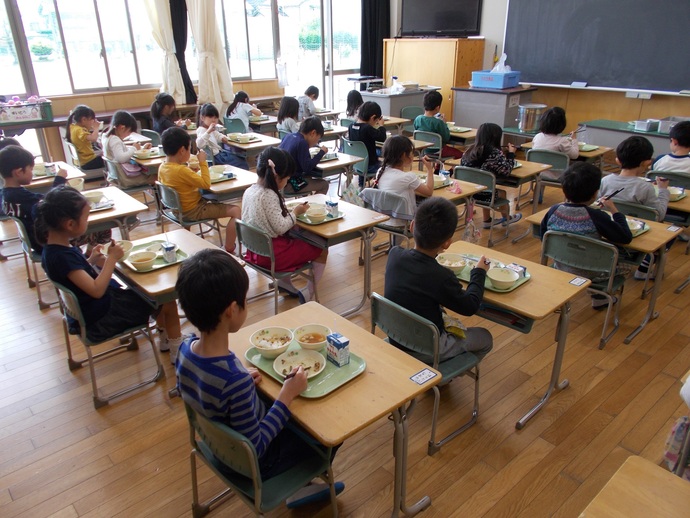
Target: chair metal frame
<point>257,241</point>
<point>33,257</point>
<point>591,254</point>
<point>3,241</point>
<point>479,177</point>
<point>171,209</point>
<point>233,459</point>
<point>437,143</point>
<point>115,172</point>
<point>90,173</point>
<point>357,148</point>
<point>69,306</point>
<point>420,335</point>
<point>559,162</point>
<point>374,200</point>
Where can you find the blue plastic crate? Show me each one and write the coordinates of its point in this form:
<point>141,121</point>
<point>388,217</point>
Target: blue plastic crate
<point>497,80</point>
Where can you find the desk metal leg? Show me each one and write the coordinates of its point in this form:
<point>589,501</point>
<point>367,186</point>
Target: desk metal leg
<point>651,314</point>
<point>556,369</point>
<point>535,208</point>
<point>367,238</point>
<point>400,452</point>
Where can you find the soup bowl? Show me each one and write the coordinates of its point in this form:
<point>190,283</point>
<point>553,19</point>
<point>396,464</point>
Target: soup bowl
<point>312,336</point>
<point>317,214</point>
<point>142,260</point>
<point>271,342</point>
<point>502,278</point>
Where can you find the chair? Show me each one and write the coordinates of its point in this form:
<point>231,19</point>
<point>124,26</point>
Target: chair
<point>551,177</point>
<point>393,205</point>
<point>69,307</point>
<point>172,210</point>
<point>90,173</point>
<point>345,122</point>
<point>479,177</point>
<point>637,210</point>
<point>233,459</point>
<point>282,134</point>
<point>118,177</point>
<point>234,126</point>
<point>153,135</point>
<point>435,150</point>
<point>420,335</point>
<point>410,112</point>
<point>30,255</point>
<point>357,148</point>
<point>5,257</point>
<point>260,243</point>
<point>594,255</point>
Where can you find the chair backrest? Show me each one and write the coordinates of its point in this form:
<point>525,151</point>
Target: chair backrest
<point>637,210</point>
<point>254,240</point>
<point>73,154</point>
<point>69,305</point>
<point>345,122</point>
<point>411,112</point>
<point>357,148</point>
<point>428,136</point>
<point>153,135</point>
<point>475,176</point>
<point>224,444</point>
<point>170,199</point>
<point>404,327</point>
<point>581,252</point>
<point>676,178</point>
<point>234,125</point>
<point>282,134</point>
<point>388,203</point>
<point>25,240</point>
<point>558,161</point>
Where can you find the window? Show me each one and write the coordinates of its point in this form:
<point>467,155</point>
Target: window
<point>11,82</point>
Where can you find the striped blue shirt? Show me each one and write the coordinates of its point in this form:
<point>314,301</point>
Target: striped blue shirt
<point>221,389</point>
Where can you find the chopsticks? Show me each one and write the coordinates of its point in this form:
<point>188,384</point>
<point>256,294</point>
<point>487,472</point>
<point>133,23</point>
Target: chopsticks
<point>292,374</point>
<point>611,195</point>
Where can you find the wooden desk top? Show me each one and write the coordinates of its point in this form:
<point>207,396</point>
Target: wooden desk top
<point>466,135</point>
<point>420,144</point>
<point>649,242</point>
<point>596,153</point>
<point>680,205</point>
<point>384,386</point>
<point>640,488</point>
<point>526,170</point>
<point>356,218</point>
<point>162,281</point>
<point>125,206</point>
<point>394,121</point>
<point>326,113</point>
<point>468,189</point>
<point>243,180</point>
<point>544,293</point>
<point>40,182</point>
<point>336,166</point>
<point>136,137</point>
<point>334,132</point>
<point>271,121</point>
<point>257,145</point>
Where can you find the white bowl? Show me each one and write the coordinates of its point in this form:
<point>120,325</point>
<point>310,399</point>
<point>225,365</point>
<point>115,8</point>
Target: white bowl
<point>220,169</point>
<point>244,139</point>
<point>502,278</point>
<point>271,342</point>
<point>317,214</point>
<point>215,176</point>
<point>454,262</point>
<point>312,336</point>
<point>143,260</point>
<point>675,193</point>
<point>76,183</point>
<point>313,362</point>
<point>93,196</point>
<point>126,246</point>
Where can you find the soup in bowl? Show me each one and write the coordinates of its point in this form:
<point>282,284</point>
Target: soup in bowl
<point>312,336</point>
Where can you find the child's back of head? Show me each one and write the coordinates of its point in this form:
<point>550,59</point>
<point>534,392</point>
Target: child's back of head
<point>432,100</point>
<point>581,181</point>
<point>368,110</point>
<point>633,151</point>
<point>311,124</point>
<point>552,121</point>
<point>681,132</point>
<point>312,91</point>
<point>434,223</point>
<point>13,158</point>
<point>207,284</point>
<point>173,139</point>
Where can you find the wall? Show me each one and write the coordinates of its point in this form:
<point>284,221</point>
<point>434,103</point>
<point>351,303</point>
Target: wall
<point>580,104</point>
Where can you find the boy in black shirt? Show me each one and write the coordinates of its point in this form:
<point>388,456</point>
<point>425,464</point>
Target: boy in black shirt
<point>418,283</point>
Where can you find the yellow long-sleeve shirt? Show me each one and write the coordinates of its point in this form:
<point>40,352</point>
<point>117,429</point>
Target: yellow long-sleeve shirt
<point>77,135</point>
<point>185,181</point>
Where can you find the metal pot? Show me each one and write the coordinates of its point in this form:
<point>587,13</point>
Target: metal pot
<point>528,116</point>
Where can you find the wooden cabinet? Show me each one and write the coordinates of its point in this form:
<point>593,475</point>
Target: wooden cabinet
<point>442,62</point>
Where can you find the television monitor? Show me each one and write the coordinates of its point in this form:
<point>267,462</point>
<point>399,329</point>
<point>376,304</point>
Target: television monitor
<point>453,18</point>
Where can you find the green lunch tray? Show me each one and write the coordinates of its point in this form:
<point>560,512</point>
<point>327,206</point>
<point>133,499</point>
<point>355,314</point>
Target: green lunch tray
<point>464,275</point>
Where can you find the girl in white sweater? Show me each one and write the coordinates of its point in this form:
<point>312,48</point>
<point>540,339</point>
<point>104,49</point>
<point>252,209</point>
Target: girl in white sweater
<point>115,148</point>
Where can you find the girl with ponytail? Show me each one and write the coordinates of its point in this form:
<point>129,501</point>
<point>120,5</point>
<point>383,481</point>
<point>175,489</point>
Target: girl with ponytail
<point>263,206</point>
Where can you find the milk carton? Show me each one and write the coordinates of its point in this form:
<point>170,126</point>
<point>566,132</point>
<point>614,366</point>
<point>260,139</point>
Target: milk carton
<point>338,349</point>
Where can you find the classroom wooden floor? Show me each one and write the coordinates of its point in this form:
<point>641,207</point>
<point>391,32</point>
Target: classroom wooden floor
<point>60,457</point>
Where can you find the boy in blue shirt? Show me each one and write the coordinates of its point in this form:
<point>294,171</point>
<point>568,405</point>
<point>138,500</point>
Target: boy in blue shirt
<point>298,145</point>
<point>212,290</point>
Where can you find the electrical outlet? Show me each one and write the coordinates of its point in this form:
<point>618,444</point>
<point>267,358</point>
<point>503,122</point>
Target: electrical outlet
<point>631,95</point>
<point>644,95</point>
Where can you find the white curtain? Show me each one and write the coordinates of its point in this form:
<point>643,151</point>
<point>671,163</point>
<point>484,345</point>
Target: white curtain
<point>161,26</point>
<point>215,82</point>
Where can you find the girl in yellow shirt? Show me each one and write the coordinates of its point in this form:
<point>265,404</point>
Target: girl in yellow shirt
<point>82,131</point>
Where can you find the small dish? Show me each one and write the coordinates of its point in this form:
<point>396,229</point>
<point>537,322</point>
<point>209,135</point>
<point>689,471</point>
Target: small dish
<point>126,246</point>
<point>311,361</point>
<point>154,247</point>
<point>312,336</point>
<point>454,262</point>
<point>143,260</point>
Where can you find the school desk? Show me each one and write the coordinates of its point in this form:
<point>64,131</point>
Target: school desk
<point>467,189</point>
<point>44,183</point>
<point>342,165</point>
<point>652,241</point>
<point>231,189</point>
<point>256,146</point>
<point>266,126</point>
<point>397,122</point>
<point>357,222</point>
<point>595,156</point>
<point>327,114</point>
<point>159,285</point>
<point>385,387</point>
<point>334,133</point>
<point>124,207</point>
<point>136,137</point>
<point>461,137</point>
<point>548,291</point>
<point>640,489</point>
